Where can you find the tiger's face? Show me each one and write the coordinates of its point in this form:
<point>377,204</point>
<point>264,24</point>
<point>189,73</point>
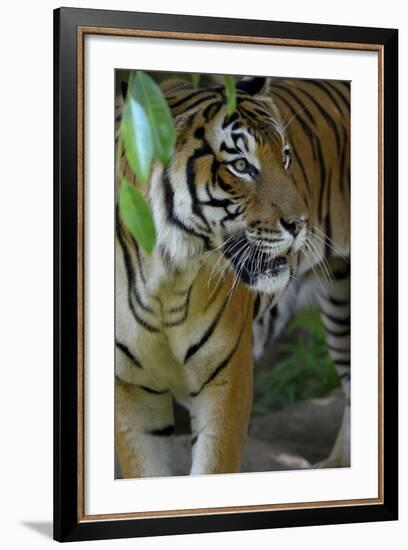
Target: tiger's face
<point>228,187</point>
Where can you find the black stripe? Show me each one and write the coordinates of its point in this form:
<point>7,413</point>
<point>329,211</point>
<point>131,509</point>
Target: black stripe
<point>151,390</point>
<point>297,99</point>
<point>339,93</point>
<point>257,305</point>
<point>236,136</point>
<point>131,274</point>
<point>259,138</point>
<point>326,116</point>
<point>229,119</point>
<point>171,216</point>
<point>220,367</point>
<point>198,153</point>
<point>338,350</point>
<point>214,169</point>
<point>124,349</point>
<point>212,110</point>
<point>131,278</point>
<point>207,334</point>
<point>263,113</point>
<point>341,275</point>
<point>273,314</point>
<point>343,160</point>
<point>328,229</point>
<point>188,97</point>
<point>322,170</point>
<point>166,431</point>
<point>338,321</point>
<point>213,201</point>
<point>321,87</point>
<point>186,305</point>
<point>177,309</point>
<point>195,437</point>
<point>224,185</point>
<point>339,334</point>
<point>328,205</point>
<point>342,362</point>
<point>198,102</point>
<point>336,302</point>
<point>229,150</point>
<point>214,295</point>
<point>224,363</point>
<point>139,260</point>
<point>181,292</point>
<point>256,106</point>
<point>300,162</point>
<point>306,129</point>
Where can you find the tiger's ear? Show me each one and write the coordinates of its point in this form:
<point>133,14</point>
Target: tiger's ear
<point>253,85</point>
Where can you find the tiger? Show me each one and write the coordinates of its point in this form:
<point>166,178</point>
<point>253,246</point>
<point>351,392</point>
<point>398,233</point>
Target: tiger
<point>320,144</point>
<point>240,213</point>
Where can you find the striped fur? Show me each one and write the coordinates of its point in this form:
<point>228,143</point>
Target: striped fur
<point>320,140</point>
<point>239,212</point>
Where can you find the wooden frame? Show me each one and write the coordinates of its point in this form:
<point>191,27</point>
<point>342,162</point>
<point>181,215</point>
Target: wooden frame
<point>70,27</point>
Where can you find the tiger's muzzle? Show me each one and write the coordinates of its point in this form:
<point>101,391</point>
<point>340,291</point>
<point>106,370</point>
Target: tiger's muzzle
<point>254,260</point>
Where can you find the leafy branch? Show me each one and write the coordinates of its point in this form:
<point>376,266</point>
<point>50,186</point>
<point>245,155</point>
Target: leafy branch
<point>148,133</point>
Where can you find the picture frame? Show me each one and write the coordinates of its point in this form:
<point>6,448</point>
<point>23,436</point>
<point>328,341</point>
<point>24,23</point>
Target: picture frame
<point>71,27</point>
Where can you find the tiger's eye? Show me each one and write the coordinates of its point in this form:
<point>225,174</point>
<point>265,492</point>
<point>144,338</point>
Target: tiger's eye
<point>241,165</point>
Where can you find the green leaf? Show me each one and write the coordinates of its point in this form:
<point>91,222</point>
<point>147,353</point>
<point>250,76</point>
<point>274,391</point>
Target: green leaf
<point>146,92</point>
<point>230,92</point>
<point>137,216</point>
<point>195,79</point>
<point>137,139</point>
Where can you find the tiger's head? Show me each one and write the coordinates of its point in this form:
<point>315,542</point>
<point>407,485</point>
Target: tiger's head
<point>228,186</point>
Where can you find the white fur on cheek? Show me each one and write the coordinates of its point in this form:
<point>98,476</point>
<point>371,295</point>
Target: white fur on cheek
<point>179,245</point>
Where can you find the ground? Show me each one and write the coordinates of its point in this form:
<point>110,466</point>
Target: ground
<point>294,438</point>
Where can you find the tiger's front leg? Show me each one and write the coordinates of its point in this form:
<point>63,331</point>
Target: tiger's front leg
<point>144,431</point>
<point>220,413</point>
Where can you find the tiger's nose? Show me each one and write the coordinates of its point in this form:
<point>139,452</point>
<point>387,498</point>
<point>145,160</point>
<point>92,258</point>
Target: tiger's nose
<point>294,225</point>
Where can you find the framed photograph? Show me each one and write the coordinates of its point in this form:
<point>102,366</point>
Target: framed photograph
<point>225,274</point>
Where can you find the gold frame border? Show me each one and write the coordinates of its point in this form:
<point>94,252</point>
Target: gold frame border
<point>81,33</point>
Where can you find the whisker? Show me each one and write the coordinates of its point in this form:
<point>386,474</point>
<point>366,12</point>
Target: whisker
<point>313,262</point>
<point>228,262</point>
<point>321,265</point>
<point>292,118</point>
<point>228,250</point>
<point>329,242</point>
<point>237,274</point>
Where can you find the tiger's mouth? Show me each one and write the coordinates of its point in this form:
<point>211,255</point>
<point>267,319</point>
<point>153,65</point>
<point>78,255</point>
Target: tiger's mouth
<point>252,263</point>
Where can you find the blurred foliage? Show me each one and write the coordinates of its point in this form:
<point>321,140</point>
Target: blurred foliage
<point>148,132</point>
<point>136,214</point>
<point>305,370</point>
<point>144,90</point>
<point>137,139</point>
<point>230,94</point>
